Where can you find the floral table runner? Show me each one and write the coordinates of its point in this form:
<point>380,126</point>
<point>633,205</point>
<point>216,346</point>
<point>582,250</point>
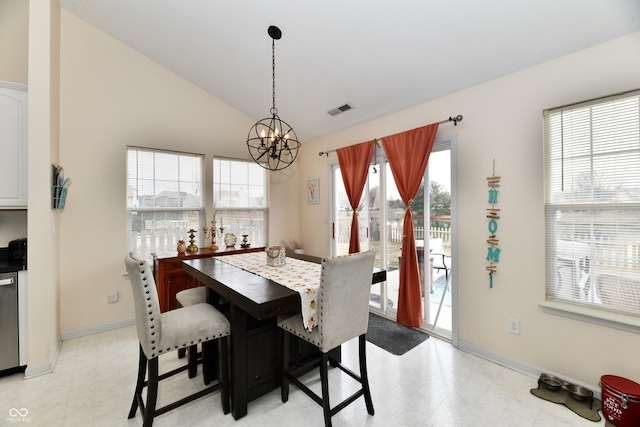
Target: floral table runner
<point>298,275</point>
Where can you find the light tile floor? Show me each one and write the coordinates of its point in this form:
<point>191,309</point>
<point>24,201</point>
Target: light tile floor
<point>432,385</point>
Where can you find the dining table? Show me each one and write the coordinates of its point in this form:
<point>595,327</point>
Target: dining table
<point>252,302</point>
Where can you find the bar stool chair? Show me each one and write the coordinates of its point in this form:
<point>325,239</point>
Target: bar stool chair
<point>186,298</point>
<point>343,314</point>
<point>160,333</point>
<point>192,296</point>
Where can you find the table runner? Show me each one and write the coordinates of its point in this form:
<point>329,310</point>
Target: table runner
<point>298,275</point>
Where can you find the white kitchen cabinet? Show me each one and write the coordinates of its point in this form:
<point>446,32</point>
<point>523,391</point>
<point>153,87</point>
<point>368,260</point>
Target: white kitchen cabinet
<point>13,145</point>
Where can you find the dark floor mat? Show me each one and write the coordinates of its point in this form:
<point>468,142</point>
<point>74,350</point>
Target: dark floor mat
<point>392,336</point>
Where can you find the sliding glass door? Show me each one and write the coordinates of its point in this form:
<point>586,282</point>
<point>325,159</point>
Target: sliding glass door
<point>380,215</point>
<point>437,220</point>
<point>370,221</point>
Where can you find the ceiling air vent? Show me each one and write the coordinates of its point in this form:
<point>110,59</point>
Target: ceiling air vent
<point>339,110</point>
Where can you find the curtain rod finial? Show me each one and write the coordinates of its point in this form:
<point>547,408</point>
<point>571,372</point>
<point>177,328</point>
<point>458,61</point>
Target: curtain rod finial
<point>456,119</point>
<point>322,153</point>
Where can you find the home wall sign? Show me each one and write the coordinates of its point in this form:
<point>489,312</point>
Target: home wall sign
<point>493,252</point>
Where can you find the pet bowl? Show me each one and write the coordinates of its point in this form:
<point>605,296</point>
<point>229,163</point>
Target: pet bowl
<point>578,392</point>
<point>550,382</point>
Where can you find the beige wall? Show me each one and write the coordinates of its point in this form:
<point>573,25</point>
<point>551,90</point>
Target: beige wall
<point>111,96</point>
<point>43,323</point>
<point>284,216</point>
<point>14,40</point>
<point>503,121</point>
<point>114,97</point>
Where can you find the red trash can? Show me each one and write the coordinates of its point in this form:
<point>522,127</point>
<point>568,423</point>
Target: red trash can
<point>620,401</point>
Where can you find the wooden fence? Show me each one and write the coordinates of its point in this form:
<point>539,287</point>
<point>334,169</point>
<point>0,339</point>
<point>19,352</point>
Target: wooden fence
<point>394,234</point>
<point>610,253</point>
<point>153,238</point>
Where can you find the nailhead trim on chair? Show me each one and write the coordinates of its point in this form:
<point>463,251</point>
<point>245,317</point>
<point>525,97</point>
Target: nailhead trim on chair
<point>305,337</point>
<point>150,312</point>
<point>152,319</point>
<point>144,278</point>
<point>149,334</point>
<point>321,308</point>
<point>296,328</point>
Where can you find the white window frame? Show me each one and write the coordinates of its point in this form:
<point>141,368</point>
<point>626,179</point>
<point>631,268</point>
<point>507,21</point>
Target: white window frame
<point>156,241</point>
<point>564,150</point>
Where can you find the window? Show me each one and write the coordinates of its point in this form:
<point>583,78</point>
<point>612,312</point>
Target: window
<point>592,197</point>
<point>240,199</point>
<point>164,198</point>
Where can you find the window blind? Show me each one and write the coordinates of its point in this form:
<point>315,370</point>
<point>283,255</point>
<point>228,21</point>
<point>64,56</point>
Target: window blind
<point>240,199</point>
<point>592,203</point>
<point>164,198</point>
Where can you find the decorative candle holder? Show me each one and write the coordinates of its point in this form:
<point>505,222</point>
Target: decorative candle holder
<point>192,241</point>
<point>213,236</point>
<point>245,241</point>
<point>211,232</point>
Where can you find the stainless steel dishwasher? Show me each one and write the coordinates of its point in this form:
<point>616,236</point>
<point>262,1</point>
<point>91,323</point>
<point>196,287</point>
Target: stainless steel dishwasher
<point>9,348</point>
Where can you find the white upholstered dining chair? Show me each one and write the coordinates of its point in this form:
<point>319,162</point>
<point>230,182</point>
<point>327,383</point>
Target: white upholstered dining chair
<point>185,298</point>
<point>192,296</point>
<point>160,333</point>
<point>343,313</point>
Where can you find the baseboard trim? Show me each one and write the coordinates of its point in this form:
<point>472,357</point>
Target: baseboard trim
<point>98,328</point>
<point>35,371</point>
<point>526,369</point>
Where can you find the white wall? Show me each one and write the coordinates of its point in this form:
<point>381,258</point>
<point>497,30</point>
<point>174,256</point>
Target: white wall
<point>503,121</point>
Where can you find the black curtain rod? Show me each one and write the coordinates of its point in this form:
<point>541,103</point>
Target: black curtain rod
<point>455,121</point>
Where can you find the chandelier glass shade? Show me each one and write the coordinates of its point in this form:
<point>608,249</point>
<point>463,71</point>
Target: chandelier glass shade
<point>272,143</point>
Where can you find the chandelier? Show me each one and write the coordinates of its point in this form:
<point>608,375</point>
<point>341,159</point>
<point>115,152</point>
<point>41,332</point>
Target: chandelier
<point>272,143</point>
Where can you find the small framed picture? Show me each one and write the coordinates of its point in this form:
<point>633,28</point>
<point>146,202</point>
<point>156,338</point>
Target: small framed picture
<point>313,191</point>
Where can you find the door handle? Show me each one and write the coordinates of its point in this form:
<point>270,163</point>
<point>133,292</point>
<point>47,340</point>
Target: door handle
<point>6,282</point>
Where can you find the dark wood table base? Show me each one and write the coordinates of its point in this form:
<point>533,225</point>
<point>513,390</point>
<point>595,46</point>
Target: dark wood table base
<point>252,304</point>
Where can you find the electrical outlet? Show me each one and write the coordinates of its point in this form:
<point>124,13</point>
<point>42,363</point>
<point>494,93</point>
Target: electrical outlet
<point>113,297</point>
<point>514,326</point>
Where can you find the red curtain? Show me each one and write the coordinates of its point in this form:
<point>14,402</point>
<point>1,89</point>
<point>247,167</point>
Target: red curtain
<point>354,166</point>
<point>408,154</point>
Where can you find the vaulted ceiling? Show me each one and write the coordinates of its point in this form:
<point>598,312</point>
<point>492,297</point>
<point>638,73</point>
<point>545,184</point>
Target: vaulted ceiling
<point>378,56</point>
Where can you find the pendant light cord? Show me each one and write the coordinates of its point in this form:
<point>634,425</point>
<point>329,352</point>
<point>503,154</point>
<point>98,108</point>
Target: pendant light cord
<point>274,110</point>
